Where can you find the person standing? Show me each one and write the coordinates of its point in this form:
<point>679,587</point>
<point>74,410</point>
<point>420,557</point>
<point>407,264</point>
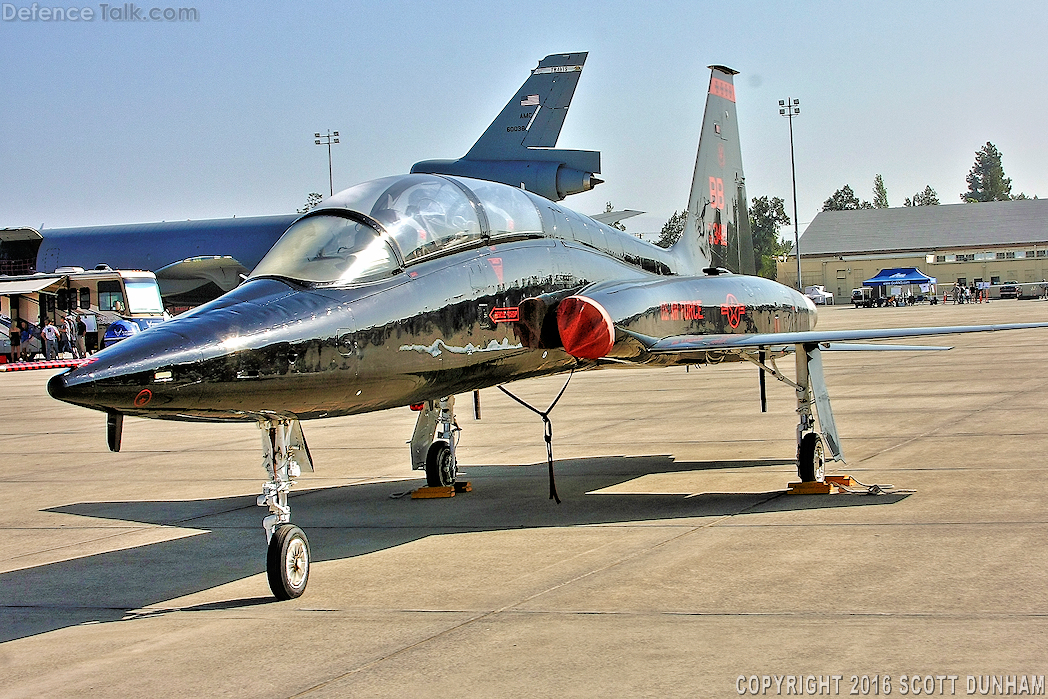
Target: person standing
<point>81,334</point>
<point>50,334</point>
<point>69,333</point>
<point>27,335</point>
<point>16,342</point>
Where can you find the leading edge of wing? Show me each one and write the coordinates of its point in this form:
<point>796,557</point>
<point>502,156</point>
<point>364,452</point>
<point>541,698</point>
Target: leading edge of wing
<point>680,343</point>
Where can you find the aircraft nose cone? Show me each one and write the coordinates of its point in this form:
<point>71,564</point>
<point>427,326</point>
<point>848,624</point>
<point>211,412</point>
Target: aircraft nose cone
<point>56,387</point>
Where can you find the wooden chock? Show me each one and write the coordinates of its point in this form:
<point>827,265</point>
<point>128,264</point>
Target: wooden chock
<point>808,488</point>
<point>427,492</point>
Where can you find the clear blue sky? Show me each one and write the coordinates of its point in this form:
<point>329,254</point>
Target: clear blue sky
<point>118,122</point>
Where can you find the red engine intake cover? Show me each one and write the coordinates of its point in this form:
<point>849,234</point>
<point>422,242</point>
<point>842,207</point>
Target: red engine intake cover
<point>586,330</point>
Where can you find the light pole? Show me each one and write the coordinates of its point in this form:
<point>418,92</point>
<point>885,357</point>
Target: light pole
<point>327,139</point>
<point>790,108</point>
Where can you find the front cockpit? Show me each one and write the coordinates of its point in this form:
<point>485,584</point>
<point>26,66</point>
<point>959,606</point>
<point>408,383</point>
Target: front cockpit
<point>374,229</point>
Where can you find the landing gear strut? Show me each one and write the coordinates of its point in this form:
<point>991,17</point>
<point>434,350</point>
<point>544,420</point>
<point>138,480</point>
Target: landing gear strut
<point>433,442</point>
<point>813,442</point>
<point>284,452</point>
<point>811,391</point>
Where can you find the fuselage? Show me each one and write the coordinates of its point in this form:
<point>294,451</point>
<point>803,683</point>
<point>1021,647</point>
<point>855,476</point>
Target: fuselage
<point>438,319</point>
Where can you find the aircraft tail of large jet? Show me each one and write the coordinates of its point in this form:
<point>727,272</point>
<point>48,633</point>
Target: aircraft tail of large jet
<point>518,147</point>
<point>717,227</point>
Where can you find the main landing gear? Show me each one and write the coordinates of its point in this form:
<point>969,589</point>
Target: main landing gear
<point>813,400</point>
<point>433,442</point>
<point>811,392</point>
<point>284,452</point>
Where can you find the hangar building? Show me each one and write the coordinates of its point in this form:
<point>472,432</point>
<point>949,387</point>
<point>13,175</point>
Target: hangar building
<point>965,243</point>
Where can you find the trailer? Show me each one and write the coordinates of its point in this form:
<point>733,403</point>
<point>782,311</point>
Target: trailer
<point>126,299</point>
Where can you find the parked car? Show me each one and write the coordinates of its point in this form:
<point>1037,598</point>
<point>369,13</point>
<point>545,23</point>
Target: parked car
<point>819,295</point>
<point>1011,290</point>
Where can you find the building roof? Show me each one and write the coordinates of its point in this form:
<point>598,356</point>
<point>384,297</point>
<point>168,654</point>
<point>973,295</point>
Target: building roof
<point>927,228</point>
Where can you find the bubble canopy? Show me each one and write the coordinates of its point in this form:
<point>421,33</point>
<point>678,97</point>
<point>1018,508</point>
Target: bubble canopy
<point>369,231</point>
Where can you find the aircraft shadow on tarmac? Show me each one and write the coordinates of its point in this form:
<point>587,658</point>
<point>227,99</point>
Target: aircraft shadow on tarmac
<point>107,587</point>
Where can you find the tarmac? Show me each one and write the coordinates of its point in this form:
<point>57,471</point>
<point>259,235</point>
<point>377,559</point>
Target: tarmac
<point>675,566</point>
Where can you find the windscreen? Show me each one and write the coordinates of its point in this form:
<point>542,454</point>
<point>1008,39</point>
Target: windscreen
<point>329,248</point>
<point>143,296</point>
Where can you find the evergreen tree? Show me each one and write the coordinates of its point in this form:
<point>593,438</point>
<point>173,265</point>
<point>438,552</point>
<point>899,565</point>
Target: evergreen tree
<point>313,200</point>
<point>986,180</point>
<point>844,199</point>
<point>672,230</point>
<point>766,215</point>
<point>926,198</point>
<point>880,193</point>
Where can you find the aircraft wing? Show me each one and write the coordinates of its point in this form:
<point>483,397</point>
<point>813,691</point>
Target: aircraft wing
<point>689,343</point>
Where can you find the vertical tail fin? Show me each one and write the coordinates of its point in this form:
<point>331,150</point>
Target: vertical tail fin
<point>717,227</point>
<point>534,116</point>
<point>517,148</point>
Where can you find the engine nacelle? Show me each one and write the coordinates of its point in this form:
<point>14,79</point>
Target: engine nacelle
<point>553,179</point>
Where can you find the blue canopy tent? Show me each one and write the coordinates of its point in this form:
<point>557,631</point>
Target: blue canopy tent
<point>899,276</point>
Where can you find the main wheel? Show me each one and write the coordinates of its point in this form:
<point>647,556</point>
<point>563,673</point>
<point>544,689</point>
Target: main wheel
<point>440,466</point>
<point>287,562</point>
<point>810,461</point>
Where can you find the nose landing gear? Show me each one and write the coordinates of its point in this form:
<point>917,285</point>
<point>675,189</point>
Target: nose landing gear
<point>287,559</point>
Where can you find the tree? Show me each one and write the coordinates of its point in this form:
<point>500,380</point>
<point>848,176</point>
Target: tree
<point>672,230</point>
<point>880,193</point>
<point>926,198</point>
<point>986,180</point>
<point>313,200</point>
<point>844,199</point>
<point>618,225</point>
<point>766,215</point>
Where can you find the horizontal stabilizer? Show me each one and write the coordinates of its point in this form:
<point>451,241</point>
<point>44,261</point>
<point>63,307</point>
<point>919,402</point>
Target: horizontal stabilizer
<point>611,217</point>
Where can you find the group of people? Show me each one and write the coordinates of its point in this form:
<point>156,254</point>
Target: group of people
<point>967,294</point>
<point>69,336</point>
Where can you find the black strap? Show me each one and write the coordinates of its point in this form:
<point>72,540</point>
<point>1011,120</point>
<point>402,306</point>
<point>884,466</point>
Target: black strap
<point>548,430</point>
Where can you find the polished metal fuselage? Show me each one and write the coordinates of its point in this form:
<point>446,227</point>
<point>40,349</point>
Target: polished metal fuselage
<point>442,326</point>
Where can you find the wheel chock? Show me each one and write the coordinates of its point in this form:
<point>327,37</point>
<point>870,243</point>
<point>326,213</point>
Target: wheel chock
<point>821,488</point>
<point>463,487</point>
<point>427,492</point>
<point>808,488</point>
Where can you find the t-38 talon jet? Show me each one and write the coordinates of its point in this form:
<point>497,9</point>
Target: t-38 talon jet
<point>408,290</point>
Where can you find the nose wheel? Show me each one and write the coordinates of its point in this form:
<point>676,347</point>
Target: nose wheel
<point>287,562</point>
<point>287,557</point>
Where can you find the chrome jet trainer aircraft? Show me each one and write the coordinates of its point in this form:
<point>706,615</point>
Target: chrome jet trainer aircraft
<point>197,261</point>
<point>408,290</point>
